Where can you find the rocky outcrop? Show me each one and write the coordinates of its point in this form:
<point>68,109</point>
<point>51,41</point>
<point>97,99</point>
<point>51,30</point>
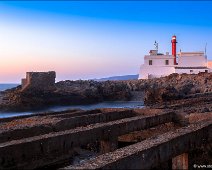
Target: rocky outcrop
<point>158,90</point>
<point>178,86</point>
<point>108,90</point>
<point>65,93</point>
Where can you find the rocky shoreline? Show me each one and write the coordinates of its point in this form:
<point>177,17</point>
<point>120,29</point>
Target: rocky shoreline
<point>173,103</point>
<point>158,92</point>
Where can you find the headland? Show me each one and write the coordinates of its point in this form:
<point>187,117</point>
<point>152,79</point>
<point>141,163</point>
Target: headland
<point>172,131</point>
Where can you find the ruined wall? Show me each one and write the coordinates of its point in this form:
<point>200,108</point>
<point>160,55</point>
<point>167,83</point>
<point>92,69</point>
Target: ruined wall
<point>39,80</point>
<point>149,153</point>
<point>53,147</point>
<point>23,82</point>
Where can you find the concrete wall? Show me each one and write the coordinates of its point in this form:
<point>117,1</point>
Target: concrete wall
<point>158,60</point>
<point>64,124</point>
<point>192,60</point>
<point>155,71</point>
<point>41,150</point>
<point>153,151</point>
<point>158,67</point>
<point>39,80</point>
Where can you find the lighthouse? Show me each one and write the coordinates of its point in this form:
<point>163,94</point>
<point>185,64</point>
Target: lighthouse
<point>174,50</point>
<point>159,65</point>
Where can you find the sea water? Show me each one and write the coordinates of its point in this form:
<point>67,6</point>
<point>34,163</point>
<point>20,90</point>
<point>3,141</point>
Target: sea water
<point>114,104</point>
<point>7,86</point>
<point>111,104</point>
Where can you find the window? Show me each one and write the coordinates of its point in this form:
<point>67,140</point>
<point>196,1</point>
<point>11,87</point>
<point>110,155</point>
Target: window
<point>166,62</point>
<point>150,62</point>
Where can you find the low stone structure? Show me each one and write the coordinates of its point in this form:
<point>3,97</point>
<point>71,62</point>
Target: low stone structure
<point>50,140</point>
<point>39,80</point>
<point>149,153</point>
<point>52,147</point>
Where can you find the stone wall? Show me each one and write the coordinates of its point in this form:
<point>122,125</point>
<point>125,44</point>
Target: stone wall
<point>149,153</point>
<point>53,147</point>
<point>60,123</point>
<point>39,80</point>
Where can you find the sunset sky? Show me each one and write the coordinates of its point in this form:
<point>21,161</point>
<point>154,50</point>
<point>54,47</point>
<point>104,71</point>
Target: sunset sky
<point>94,39</point>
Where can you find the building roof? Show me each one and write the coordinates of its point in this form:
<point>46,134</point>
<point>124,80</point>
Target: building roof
<point>158,57</point>
<point>197,53</point>
<point>194,52</point>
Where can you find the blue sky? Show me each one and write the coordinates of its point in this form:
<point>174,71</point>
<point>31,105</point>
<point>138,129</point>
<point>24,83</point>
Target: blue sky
<point>93,39</point>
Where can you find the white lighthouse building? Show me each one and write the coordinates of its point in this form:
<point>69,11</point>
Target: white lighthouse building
<point>160,65</point>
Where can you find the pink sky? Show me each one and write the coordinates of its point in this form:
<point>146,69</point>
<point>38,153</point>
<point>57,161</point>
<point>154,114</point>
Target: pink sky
<point>82,40</point>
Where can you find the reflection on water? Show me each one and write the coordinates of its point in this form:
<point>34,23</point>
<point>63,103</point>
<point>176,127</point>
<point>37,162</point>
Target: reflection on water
<point>117,104</point>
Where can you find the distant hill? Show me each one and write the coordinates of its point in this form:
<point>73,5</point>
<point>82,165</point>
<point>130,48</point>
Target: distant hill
<point>124,77</point>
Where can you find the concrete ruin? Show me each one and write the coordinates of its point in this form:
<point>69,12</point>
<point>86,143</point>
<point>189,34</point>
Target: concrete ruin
<point>39,81</point>
<point>50,139</point>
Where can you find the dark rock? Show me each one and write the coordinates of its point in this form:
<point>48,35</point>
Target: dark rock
<point>205,110</point>
<point>157,90</point>
<point>66,93</point>
<point>177,86</point>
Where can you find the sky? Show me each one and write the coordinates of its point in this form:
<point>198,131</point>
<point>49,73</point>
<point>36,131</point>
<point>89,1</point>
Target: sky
<point>95,39</point>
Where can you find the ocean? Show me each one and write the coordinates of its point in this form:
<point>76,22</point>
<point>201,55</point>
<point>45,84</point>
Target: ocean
<point>7,86</point>
<point>113,104</point>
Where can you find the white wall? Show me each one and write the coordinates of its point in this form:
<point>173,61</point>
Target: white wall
<point>158,60</point>
<point>158,67</point>
<point>147,71</point>
<point>192,61</point>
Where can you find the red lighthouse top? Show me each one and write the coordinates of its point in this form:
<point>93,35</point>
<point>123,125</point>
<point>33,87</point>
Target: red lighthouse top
<point>174,37</point>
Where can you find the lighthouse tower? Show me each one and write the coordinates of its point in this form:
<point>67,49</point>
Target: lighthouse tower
<point>174,53</point>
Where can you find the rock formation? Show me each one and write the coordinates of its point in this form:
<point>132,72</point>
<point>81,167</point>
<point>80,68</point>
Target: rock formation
<point>178,86</point>
<point>158,90</point>
<point>65,93</point>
